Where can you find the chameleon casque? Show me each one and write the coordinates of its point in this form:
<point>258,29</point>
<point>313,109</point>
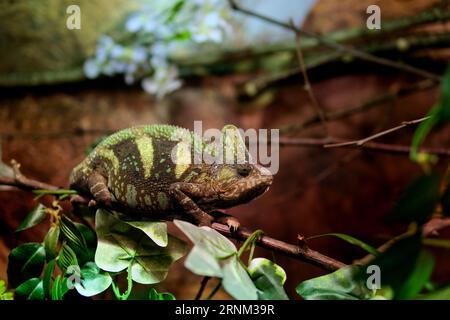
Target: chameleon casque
<point>134,169</point>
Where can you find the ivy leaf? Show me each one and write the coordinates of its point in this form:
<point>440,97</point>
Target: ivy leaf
<point>346,283</point>
<point>419,200</point>
<point>51,242</point>
<point>47,279</point>
<point>120,245</point>
<point>207,239</point>
<point>216,256</point>
<point>25,262</point>
<point>351,240</point>
<point>236,280</point>
<point>154,295</point>
<point>93,280</point>
<point>201,262</point>
<point>155,230</point>
<point>33,218</point>
<point>32,289</point>
<point>268,278</point>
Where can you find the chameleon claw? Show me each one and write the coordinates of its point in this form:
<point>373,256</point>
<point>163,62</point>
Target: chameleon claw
<point>233,224</point>
<point>92,203</point>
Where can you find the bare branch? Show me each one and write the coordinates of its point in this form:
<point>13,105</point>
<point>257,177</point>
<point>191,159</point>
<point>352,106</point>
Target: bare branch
<point>361,142</point>
<point>366,106</point>
<point>335,45</point>
<point>301,61</point>
<point>369,146</point>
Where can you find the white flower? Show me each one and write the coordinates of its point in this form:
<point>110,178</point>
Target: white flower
<point>164,81</point>
<point>209,28</point>
<point>91,68</point>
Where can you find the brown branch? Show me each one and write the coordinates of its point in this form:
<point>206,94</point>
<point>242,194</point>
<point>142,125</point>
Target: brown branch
<point>302,253</point>
<point>429,229</point>
<point>335,45</point>
<point>361,142</point>
<point>301,61</point>
<point>368,105</point>
<point>369,146</point>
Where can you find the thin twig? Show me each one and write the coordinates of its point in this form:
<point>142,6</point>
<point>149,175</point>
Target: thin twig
<point>307,84</point>
<point>361,142</point>
<point>302,253</point>
<point>394,149</point>
<point>429,229</point>
<point>202,287</point>
<point>332,44</point>
<point>368,105</point>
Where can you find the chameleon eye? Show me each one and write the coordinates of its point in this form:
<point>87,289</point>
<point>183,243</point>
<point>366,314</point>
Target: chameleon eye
<point>244,170</point>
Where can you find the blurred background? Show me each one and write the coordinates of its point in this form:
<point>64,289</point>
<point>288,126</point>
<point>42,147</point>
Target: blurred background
<point>61,89</point>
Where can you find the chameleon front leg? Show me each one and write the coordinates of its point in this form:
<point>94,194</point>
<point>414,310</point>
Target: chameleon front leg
<point>99,190</point>
<point>182,193</point>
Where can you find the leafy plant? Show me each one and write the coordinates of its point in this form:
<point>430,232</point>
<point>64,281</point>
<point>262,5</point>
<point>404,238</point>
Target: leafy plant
<point>213,255</point>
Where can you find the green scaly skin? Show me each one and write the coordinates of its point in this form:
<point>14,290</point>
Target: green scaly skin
<point>133,168</point>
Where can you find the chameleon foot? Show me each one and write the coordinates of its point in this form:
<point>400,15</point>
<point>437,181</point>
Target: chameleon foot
<point>221,217</point>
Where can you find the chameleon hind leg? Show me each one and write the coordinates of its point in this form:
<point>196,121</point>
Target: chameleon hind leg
<point>98,187</point>
<point>182,193</point>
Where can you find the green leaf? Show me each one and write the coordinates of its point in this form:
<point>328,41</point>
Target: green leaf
<point>88,234</point>
<point>60,288</point>
<point>398,263</point>
<point>47,279</point>
<point>155,230</point>
<point>351,240</point>
<point>25,262</point>
<point>66,257</point>
<point>56,288</point>
<point>72,235</point>
<point>154,295</point>
<point>174,10</point>
<point>32,289</point>
<point>438,115</point>
<point>419,200</point>
<point>4,295</point>
<point>268,278</point>
<point>207,239</point>
<point>120,245</point>
<point>346,283</point>
<point>418,277</point>
<point>91,241</point>
<point>201,262</point>
<point>93,280</point>
<point>51,242</point>
<point>33,218</point>
<point>236,280</point>
<point>439,294</point>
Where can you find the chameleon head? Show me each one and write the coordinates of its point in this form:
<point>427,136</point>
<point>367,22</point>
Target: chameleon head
<point>239,183</point>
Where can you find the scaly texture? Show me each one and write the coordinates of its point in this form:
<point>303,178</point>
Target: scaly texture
<point>134,167</point>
